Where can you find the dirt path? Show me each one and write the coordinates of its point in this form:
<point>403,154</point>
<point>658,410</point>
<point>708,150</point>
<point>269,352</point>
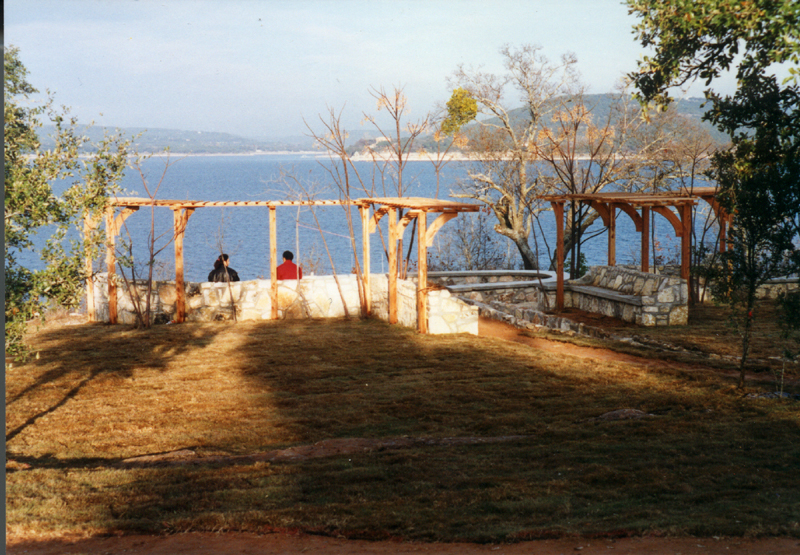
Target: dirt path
<point>288,543</point>
<point>501,330</point>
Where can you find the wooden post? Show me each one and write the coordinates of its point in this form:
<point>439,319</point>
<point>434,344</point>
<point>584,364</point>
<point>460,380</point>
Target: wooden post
<point>422,272</point>
<point>273,261</point>
<point>612,235</point>
<point>558,211</point>
<point>686,240</point>
<point>366,309</point>
<point>111,265</point>
<point>393,265</point>
<point>89,225</point>
<point>113,225</point>
<point>180,217</point>
<point>645,238</point>
<point>180,297</point>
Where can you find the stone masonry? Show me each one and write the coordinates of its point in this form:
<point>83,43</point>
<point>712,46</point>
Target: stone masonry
<point>311,297</point>
<point>644,298</point>
<point>624,293</point>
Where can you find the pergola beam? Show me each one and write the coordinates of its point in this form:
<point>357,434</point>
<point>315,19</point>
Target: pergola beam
<point>661,203</point>
<point>182,210</point>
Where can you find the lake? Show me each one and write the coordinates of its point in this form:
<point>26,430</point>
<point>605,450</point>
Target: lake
<point>243,232</point>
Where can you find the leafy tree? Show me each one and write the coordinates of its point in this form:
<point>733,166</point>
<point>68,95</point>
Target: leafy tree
<point>759,176</point>
<point>761,246</point>
<point>700,39</point>
<point>32,205</point>
<point>461,109</point>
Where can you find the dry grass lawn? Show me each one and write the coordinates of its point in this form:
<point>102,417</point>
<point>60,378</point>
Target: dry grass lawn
<point>704,461</point>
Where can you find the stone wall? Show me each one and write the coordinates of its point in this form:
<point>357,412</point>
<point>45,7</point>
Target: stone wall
<point>509,287</point>
<point>624,293</point>
<point>775,287</point>
<point>311,297</point>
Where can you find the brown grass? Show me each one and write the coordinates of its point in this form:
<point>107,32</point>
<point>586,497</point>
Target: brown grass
<point>708,461</point>
<point>710,339</point>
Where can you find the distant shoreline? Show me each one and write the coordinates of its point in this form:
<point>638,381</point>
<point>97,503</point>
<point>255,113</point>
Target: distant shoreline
<point>358,157</point>
<point>316,154</point>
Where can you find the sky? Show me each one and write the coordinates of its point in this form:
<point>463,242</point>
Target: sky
<point>262,69</point>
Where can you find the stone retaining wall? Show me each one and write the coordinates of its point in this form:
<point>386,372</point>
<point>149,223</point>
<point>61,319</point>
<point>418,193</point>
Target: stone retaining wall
<point>311,297</point>
<point>508,287</point>
<point>624,293</point>
<point>773,288</point>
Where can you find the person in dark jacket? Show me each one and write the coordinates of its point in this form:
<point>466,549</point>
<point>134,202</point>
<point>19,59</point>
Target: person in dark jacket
<point>221,271</point>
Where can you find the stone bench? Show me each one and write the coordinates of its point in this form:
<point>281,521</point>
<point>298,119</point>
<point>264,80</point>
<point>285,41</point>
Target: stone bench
<point>603,293</point>
<point>624,293</point>
<point>630,295</point>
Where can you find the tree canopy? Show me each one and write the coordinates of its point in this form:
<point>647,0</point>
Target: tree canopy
<point>33,206</point>
<point>702,38</point>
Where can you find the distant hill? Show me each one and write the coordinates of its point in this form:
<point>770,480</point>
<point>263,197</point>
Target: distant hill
<point>601,106</point>
<point>184,142</point>
<point>205,142</point>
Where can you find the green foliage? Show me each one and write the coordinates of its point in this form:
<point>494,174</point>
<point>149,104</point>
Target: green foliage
<point>702,38</point>
<point>762,238</point>
<point>33,206</point>
<point>583,266</point>
<point>461,109</point>
<point>759,176</point>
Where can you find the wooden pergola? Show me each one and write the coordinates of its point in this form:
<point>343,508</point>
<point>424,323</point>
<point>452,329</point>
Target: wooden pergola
<point>417,208</point>
<point>663,203</point>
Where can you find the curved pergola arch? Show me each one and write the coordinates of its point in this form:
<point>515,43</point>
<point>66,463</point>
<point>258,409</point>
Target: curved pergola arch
<point>674,206</point>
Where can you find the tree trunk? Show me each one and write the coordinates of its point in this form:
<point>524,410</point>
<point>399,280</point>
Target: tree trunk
<point>587,220</point>
<point>528,257</point>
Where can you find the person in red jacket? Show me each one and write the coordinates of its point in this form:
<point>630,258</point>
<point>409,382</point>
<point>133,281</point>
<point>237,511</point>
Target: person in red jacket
<point>288,270</point>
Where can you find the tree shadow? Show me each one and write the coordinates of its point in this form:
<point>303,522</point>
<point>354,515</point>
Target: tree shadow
<point>296,383</point>
<point>70,353</point>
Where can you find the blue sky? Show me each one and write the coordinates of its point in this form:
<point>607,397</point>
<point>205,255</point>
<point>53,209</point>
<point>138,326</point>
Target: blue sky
<point>257,68</point>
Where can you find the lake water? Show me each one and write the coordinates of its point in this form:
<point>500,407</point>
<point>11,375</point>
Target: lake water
<point>243,232</point>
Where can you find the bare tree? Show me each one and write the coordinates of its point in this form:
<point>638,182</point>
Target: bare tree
<point>505,144</point>
<point>156,243</point>
<point>471,245</point>
<point>390,155</point>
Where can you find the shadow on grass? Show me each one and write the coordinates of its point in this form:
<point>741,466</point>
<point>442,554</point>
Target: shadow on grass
<point>84,353</point>
<point>707,463</point>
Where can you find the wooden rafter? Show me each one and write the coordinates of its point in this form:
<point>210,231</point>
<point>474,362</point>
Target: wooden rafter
<point>415,207</point>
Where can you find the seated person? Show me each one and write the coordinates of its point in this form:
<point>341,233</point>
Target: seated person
<point>221,272</point>
<point>288,270</point>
